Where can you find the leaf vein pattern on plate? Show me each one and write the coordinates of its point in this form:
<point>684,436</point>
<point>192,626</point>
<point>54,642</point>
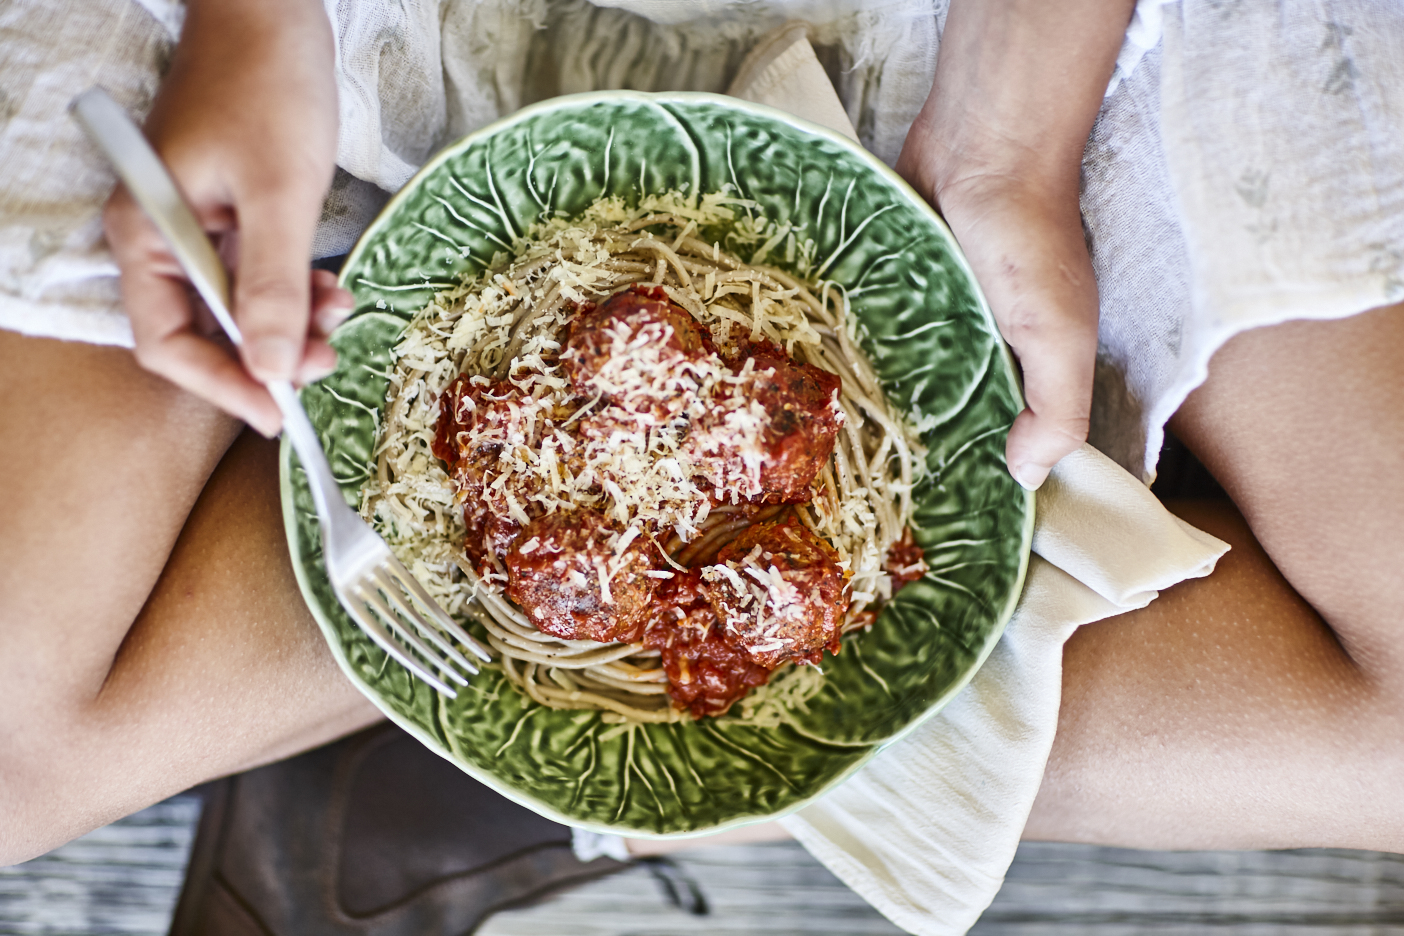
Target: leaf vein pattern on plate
<point>749,755</point>
<point>491,174</point>
<point>848,241</point>
<point>947,462</point>
<point>426,284</point>
<point>469,224</point>
<point>863,664</point>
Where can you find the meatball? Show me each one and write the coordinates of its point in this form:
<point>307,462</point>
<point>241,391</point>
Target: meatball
<point>597,336</point>
<point>460,409</point>
<point>803,420</point>
<point>572,580</point>
<point>779,592</point>
<point>706,674</point>
<point>479,425</point>
<point>771,433</point>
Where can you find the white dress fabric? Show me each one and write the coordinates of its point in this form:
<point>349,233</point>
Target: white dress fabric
<point>57,278</point>
<point>1249,171</point>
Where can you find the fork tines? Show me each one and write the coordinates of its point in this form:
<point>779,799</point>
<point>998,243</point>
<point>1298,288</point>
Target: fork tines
<point>387,590</point>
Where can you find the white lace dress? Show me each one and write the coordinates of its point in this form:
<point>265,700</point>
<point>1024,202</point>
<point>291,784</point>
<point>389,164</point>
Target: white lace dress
<point>1247,166</point>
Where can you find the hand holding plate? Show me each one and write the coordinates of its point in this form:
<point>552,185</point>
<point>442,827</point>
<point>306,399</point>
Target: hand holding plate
<point>998,150</point>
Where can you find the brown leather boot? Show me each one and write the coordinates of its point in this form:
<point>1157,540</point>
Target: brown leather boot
<point>371,835</point>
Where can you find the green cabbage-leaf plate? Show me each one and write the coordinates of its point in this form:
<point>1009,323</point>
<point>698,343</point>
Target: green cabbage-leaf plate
<point>930,335</point>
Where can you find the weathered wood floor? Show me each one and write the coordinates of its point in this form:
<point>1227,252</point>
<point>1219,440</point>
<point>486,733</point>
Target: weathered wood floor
<point>123,881</point>
<point>1051,890</point>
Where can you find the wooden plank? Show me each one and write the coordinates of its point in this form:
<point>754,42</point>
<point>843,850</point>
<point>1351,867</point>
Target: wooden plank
<point>121,880</point>
<point>751,890</point>
<point>1054,889</point>
<point>1051,889</point>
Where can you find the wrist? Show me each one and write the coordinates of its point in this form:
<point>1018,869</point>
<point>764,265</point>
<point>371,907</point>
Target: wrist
<point>970,191</point>
<point>971,185</point>
<point>255,39</point>
<point>1018,85</point>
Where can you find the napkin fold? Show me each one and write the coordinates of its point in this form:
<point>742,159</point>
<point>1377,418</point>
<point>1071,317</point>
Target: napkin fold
<point>927,829</point>
<point>783,68</point>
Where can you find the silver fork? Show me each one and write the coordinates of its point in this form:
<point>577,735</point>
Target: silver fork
<point>376,590</point>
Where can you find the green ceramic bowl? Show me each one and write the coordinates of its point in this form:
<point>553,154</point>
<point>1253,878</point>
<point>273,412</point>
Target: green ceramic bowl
<point>930,336</point>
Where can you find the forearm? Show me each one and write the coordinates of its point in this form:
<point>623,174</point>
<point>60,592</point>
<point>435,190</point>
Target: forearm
<point>261,51</point>
<point>998,149</point>
<point>237,25</point>
<point>1018,85</point>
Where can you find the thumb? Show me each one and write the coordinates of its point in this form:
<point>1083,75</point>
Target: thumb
<point>1032,262</point>
<point>271,285</point>
<point>1057,354</point>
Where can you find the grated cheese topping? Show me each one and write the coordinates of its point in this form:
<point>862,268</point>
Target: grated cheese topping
<point>634,461</point>
<point>765,596</point>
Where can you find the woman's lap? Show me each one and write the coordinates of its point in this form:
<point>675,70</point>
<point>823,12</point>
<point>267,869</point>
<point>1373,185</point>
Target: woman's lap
<point>151,633</point>
<point>1228,713</point>
<point>154,636</point>
<point>1303,425</point>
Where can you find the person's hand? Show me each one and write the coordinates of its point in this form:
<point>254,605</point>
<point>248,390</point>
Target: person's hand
<point>1025,245</point>
<point>246,120</point>
<point>997,150</point>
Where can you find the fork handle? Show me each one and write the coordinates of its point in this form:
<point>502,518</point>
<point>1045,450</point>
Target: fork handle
<point>299,431</point>
<point>157,193</point>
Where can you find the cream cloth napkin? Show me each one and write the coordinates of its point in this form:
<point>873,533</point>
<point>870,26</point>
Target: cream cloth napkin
<point>926,831</point>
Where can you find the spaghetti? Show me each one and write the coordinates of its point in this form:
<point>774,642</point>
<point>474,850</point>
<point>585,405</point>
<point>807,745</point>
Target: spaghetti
<point>675,476</point>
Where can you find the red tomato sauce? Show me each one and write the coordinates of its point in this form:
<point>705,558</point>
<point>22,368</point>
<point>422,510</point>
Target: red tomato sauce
<point>706,675</point>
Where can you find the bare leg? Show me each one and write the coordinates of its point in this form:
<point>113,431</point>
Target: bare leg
<point>1226,715</point>
<point>1259,708</point>
<point>151,635</point>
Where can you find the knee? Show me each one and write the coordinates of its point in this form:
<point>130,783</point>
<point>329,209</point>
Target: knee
<point>58,776</point>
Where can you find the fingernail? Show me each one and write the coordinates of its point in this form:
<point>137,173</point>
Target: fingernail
<point>332,315</point>
<point>1030,477</point>
<point>272,357</point>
